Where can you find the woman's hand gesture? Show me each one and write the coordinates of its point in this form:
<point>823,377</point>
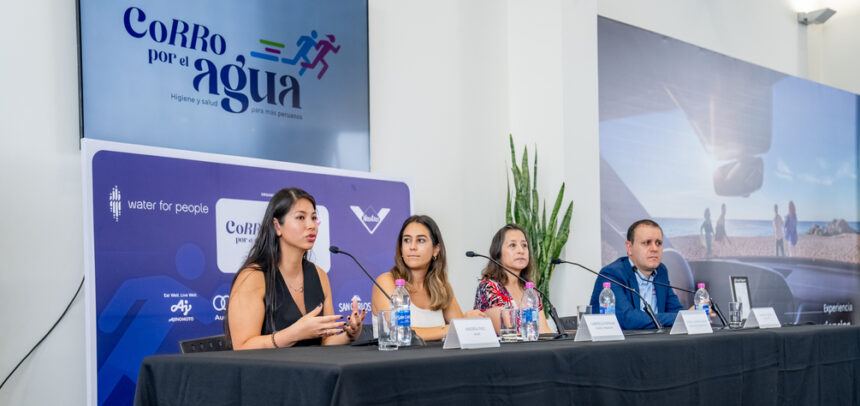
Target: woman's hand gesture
<point>312,325</point>
<point>353,326</point>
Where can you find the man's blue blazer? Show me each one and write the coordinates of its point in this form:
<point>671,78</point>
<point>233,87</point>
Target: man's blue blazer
<point>627,304</point>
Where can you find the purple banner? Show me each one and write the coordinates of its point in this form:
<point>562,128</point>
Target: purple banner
<point>169,234</point>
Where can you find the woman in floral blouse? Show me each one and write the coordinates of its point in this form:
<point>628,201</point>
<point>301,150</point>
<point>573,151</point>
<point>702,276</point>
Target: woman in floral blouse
<point>500,290</point>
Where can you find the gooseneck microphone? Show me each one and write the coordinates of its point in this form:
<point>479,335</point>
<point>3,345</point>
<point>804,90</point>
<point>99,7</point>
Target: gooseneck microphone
<point>335,250</point>
<point>552,312</point>
<point>648,309</point>
<point>416,339</point>
<point>713,303</point>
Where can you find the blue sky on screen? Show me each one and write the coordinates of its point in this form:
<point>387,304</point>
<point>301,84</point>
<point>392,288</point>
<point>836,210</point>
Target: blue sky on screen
<point>812,159</point>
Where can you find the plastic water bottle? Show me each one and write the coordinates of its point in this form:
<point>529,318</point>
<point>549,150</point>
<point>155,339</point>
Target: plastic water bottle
<point>400,307</point>
<point>703,300</point>
<point>607,300</point>
<point>529,313</point>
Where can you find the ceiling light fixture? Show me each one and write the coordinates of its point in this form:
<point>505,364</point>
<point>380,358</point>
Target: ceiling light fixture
<point>816,16</point>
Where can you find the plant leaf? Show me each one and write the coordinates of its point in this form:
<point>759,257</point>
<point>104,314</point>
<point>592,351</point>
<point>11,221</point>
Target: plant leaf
<point>524,208</point>
<point>555,207</point>
<point>526,177</point>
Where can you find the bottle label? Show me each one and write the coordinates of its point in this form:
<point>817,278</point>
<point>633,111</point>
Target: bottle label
<point>607,309</point>
<point>706,308</point>
<point>529,315</point>
<point>403,318</point>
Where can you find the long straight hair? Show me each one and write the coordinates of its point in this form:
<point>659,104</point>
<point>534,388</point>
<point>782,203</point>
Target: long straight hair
<point>495,272</point>
<point>265,255</point>
<point>436,280</point>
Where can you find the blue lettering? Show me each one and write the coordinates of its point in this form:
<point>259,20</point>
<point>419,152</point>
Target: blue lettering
<point>235,80</point>
<point>201,36</point>
<point>293,87</point>
<point>211,75</point>
<point>174,32</point>
<point>270,86</point>
<point>141,17</point>
<point>159,33</point>
<point>233,91</point>
<point>245,228</point>
<point>217,42</point>
<point>157,28</point>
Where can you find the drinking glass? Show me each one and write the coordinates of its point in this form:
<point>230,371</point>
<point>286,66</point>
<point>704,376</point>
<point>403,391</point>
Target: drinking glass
<point>581,310</point>
<point>508,325</point>
<point>735,314</point>
<point>385,327</point>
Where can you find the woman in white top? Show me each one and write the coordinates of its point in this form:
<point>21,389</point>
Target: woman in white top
<point>419,259</point>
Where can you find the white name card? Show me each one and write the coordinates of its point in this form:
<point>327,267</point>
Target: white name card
<point>471,333</point>
<point>762,317</point>
<point>598,327</point>
<point>692,322</point>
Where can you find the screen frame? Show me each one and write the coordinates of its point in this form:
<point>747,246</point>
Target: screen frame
<point>738,295</point>
<point>81,96</point>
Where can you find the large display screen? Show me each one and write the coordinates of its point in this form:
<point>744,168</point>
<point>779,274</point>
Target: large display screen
<point>282,80</point>
<point>751,173</point>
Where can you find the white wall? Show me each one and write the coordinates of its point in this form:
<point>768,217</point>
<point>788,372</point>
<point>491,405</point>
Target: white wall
<point>833,47</point>
<point>449,80</point>
<point>439,115</point>
<point>40,204</point>
<point>553,97</point>
<point>763,32</point>
<point>548,72</point>
<point>581,155</point>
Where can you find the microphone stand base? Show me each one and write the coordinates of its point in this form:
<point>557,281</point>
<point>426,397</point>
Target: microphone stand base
<point>417,341</point>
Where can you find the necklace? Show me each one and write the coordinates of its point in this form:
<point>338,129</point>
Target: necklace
<point>300,289</point>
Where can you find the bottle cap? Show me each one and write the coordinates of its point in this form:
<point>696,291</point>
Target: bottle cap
<point>606,284</point>
<point>400,282</point>
<point>530,285</point>
<point>701,286</point>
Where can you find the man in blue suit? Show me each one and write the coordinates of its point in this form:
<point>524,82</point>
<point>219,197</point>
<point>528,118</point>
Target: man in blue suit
<point>642,264</point>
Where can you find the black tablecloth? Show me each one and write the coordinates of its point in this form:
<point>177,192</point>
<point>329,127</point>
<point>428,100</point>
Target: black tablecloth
<point>794,365</point>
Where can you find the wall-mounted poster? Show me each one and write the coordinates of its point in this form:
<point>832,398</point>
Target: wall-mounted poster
<point>284,80</point>
<point>750,173</point>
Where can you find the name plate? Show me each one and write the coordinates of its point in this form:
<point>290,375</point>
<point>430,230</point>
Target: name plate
<point>692,322</point>
<point>598,327</point>
<point>471,333</point>
<point>762,317</point>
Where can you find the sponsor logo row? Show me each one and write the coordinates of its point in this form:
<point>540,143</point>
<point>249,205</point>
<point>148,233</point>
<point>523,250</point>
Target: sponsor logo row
<point>180,311</point>
<point>238,223</point>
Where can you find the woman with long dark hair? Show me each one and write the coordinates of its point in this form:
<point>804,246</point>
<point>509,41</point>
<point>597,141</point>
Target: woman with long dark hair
<point>279,298</point>
<point>419,260</point>
<point>499,290</point>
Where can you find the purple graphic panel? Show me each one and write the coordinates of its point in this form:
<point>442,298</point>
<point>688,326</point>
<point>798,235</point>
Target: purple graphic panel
<point>169,234</point>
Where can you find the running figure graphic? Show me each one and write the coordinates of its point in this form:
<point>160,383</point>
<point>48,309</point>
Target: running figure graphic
<point>323,47</point>
<point>305,43</point>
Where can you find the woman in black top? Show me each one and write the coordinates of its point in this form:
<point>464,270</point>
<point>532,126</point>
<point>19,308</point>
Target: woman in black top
<point>279,298</point>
